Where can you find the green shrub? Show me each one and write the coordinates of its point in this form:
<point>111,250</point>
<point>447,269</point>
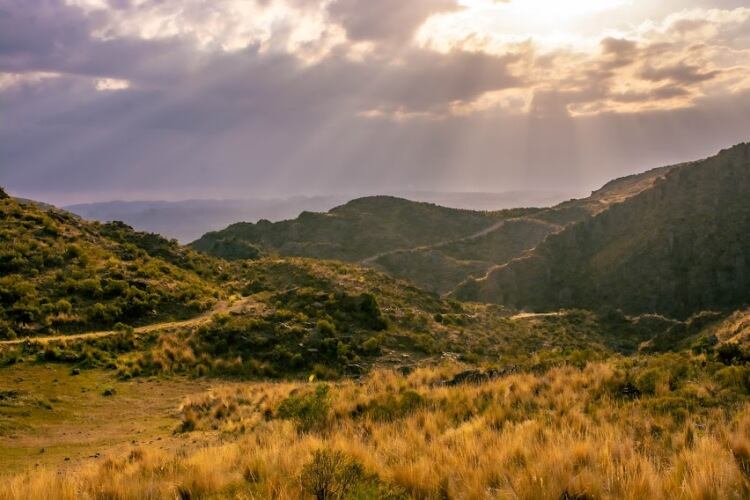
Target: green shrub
<point>326,329</point>
<point>392,407</point>
<point>371,345</point>
<point>731,353</point>
<point>649,380</point>
<point>6,331</point>
<point>123,328</point>
<point>309,411</point>
<point>734,377</point>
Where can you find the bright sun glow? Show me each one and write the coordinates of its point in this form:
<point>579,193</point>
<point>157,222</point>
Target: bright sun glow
<point>550,23</point>
<point>547,10</point>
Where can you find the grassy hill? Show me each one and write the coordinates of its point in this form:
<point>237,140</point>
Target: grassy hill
<point>429,397</point>
<point>434,247</point>
<point>677,247</point>
<point>443,266</point>
<point>63,277</point>
<point>356,231</point>
<point>293,316</point>
<point>59,273</point>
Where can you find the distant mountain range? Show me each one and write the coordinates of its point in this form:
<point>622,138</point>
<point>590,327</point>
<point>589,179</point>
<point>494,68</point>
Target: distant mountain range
<point>188,220</point>
<point>435,247</point>
<point>673,240</point>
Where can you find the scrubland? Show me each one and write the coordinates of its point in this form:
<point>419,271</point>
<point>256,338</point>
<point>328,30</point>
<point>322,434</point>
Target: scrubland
<point>667,426</point>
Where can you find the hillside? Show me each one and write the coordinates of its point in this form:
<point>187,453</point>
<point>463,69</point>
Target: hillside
<point>442,267</point>
<point>358,230</point>
<point>61,273</point>
<point>67,281</point>
<point>284,373</point>
<point>291,316</point>
<point>434,247</point>
<point>675,248</point>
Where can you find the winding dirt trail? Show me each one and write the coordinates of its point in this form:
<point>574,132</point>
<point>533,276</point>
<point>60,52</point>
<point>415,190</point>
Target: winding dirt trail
<point>535,315</point>
<point>223,306</point>
<point>497,225</point>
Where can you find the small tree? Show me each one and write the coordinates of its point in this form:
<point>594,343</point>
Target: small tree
<point>330,475</point>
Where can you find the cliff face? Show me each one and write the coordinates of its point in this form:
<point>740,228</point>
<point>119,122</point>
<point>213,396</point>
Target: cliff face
<point>678,247</point>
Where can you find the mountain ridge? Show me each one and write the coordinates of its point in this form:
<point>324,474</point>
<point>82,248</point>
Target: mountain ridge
<point>435,247</point>
<point>658,240</point>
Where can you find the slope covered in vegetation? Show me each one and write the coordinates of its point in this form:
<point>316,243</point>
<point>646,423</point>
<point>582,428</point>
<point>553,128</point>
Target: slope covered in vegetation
<point>273,317</point>
<point>60,273</point>
<point>355,231</point>
<point>293,317</point>
<point>678,247</point>
<point>434,247</point>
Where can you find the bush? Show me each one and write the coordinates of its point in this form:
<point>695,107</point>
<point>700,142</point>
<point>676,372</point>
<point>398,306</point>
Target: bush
<point>731,353</point>
<point>104,313</point>
<point>734,377</point>
<point>6,331</point>
<point>123,328</point>
<point>649,381</point>
<point>390,407</point>
<point>330,475</point>
<point>309,411</point>
<point>326,328</point>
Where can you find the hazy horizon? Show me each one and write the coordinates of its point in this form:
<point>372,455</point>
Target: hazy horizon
<point>187,220</point>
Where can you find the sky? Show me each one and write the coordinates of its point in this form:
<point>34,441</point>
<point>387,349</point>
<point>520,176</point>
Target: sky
<point>178,99</point>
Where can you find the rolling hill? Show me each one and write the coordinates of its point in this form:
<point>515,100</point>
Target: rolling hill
<point>59,273</point>
<point>359,230</point>
<point>677,247</point>
<point>434,247</point>
<point>67,283</point>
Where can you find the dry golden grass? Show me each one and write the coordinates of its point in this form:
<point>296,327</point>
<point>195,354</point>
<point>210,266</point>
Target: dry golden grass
<point>562,434</point>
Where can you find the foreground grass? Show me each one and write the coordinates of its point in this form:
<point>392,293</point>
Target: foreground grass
<point>655,427</point>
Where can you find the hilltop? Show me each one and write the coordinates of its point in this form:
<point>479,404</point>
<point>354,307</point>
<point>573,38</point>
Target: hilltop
<point>677,247</point>
<point>358,230</point>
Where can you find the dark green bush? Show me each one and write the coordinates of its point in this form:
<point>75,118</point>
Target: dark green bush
<point>309,410</point>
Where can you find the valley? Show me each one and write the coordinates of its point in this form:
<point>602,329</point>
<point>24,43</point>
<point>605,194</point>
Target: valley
<point>387,349</point>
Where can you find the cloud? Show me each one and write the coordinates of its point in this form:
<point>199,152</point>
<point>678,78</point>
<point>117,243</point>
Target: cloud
<point>306,95</point>
<point>386,20</point>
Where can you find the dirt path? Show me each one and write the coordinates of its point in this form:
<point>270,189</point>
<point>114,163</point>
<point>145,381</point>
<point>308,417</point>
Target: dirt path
<point>535,315</point>
<point>483,232</point>
<point>222,306</point>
